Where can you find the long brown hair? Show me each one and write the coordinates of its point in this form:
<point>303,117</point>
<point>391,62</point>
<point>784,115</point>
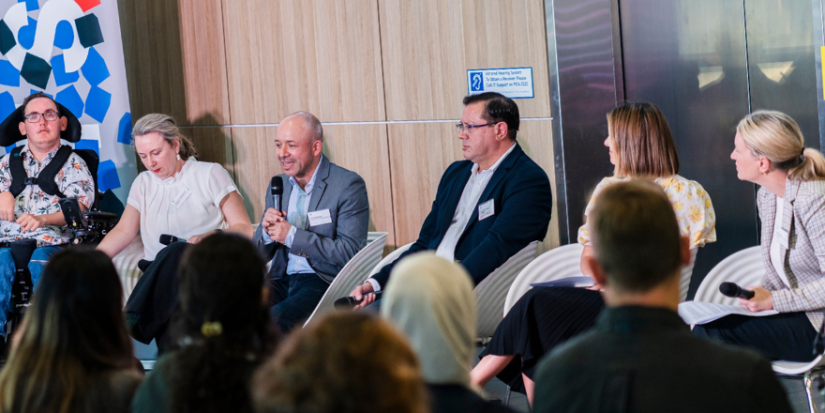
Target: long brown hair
<point>74,331</point>
<point>642,140</point>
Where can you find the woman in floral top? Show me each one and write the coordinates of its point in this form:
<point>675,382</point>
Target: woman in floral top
<point>640,145</point>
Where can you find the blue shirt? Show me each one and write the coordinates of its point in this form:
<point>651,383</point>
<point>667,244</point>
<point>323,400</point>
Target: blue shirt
<point>296,264</point>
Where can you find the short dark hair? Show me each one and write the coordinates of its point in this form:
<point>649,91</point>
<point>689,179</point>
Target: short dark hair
<point>499,108</point>
<point>38,95</point>
<point>635,235</point>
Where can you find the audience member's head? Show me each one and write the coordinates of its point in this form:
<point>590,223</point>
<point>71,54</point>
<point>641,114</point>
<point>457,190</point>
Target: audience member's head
<point>767,135</point>
<point>160,144</point>
<point>497,108</point>
<point>342,363</point>
<point>640,142</point>
<point>223,326</point>
<point>636,239</point>
<point>73,331</point>
<point>431,300</point>
<point>299,141</point>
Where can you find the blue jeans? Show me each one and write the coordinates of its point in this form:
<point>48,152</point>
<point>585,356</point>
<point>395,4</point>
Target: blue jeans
<point>7,271</point>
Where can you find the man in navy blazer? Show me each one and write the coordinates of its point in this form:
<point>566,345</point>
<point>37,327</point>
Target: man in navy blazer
<point>489,206</point>
<point>322,222</point>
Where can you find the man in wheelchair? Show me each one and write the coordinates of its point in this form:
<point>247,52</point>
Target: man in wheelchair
<point>33,179</point>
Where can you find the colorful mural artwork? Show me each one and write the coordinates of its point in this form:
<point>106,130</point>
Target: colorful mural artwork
<point>72,50</point>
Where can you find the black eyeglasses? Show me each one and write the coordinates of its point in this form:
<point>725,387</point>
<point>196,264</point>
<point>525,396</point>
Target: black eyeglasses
<point>467,128</point>
<point>34,117</point>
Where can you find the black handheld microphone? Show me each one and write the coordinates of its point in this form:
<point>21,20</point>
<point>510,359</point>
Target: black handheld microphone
<point>349,302</point>
<point>167,239</point>
<point>276,188</point>
<point>733,290</point>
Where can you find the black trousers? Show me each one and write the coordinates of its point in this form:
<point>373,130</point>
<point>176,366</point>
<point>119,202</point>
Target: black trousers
<point>786,336</point>
<point>155,297</point>
<point>295,297</point>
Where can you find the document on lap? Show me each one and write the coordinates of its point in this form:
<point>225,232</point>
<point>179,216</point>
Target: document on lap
<point>580,281</point>
<point>700,312</point>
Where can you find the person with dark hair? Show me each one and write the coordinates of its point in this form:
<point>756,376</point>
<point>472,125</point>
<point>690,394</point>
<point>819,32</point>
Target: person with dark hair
<point>431,300</point>
<point>31,211</point>
<point>321,224</point>
<point>639,145</point>
<point>223,329</point>
<point>641,357</point>
<point>72,353</point>
<point>343,362</point>
<point>489,206</point>
<point>177,195</point>
<point>770,151</point>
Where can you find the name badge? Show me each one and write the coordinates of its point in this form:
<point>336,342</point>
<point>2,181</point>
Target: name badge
<point>181,197</point>
<point>319,217</point>
<point>486,210</point>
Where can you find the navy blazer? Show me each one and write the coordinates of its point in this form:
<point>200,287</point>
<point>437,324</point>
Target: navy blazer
<point>522,200</point>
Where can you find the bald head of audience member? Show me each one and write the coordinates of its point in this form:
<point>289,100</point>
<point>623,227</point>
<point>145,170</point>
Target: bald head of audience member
<point>638,249</point>
<point>299,141</point>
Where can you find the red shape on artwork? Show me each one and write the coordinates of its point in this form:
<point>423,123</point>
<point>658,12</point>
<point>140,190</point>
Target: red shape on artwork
<point>85,5</point>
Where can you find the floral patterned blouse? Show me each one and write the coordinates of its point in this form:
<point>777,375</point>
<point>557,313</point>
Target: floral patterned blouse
<point>73,180</point>
<point>694,210</point>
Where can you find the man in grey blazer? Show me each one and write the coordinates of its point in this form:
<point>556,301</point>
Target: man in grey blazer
<point>323,223</point>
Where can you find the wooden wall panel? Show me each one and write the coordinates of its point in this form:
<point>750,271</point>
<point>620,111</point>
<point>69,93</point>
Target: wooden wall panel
<point>214,144</point>
<point>429,44</point>
<point>359,148</point>
<point>175,59</point>
<point>204,59</point>
<point>320,56</point>
<point>419,154</point>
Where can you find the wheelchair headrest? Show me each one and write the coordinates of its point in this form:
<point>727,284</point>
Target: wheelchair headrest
<point>10,129</point>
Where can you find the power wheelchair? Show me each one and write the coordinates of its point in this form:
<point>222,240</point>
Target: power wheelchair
<point>87,227</point>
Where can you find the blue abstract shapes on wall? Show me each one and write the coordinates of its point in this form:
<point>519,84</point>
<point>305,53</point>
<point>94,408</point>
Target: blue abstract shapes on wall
<point>36,71</point>
<point>88,30</point>
<point>69,98</point>
<point>88,144</point>
<point>60,76</point>
<point>63,35</point>
<point>97,103</point>
<point>31,5</point>
<point>6,38</point>
<point>26,34</point>
<point>124,129</point>
<point>6,105</point>
<point>9,75</point>
<point>32,91</point>
<point>107,176</point>
<point>94,69</point>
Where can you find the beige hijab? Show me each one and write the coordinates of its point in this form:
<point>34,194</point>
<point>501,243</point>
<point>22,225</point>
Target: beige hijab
<point>431,300</point>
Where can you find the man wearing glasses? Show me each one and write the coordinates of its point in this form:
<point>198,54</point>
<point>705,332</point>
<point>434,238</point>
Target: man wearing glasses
<point>487,207</point>
<point>28,211</point>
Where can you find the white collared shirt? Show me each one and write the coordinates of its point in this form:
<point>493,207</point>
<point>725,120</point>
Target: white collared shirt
<point>466,205</point>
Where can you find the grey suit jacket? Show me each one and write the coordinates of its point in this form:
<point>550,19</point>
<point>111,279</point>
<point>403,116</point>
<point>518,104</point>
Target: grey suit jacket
<point>804,250</point>
<point>327,247</point>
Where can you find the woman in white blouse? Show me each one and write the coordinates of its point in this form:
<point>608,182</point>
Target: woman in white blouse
<point>176,195</point>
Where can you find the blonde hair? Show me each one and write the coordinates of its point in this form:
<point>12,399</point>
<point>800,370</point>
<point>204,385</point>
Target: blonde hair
<point>166,126</point>
<point>642,140</point>
<point>777,137</point>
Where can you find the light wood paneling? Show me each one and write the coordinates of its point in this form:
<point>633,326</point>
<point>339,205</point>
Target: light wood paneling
<point>204,59</point>
<point>213,145</point>
<point>175,59</point>
<point>359,148</point>
<point>154,63</point>
<point>315,55</point>
<point>428,45</point>
<point>419,154</point>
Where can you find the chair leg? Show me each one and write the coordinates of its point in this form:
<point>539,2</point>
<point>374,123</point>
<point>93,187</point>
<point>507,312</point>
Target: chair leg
<point>809,382</point>
<point>507,396</point>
